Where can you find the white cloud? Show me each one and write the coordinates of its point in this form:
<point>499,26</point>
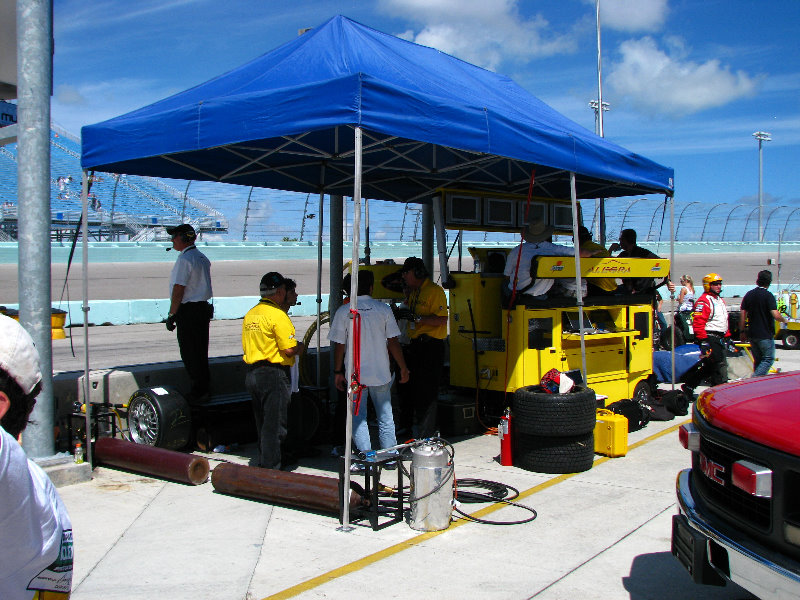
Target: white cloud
<point>483,32</point>
<point>655,81</point>
<point>632,15</point>
<point>74,106</point>
<point>69,95</point>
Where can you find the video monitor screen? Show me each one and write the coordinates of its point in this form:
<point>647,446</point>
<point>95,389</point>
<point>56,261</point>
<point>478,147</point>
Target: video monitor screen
<point>499,212</point>
<point>537,211</point>
<point>562,216</point>
<point>463,210</point>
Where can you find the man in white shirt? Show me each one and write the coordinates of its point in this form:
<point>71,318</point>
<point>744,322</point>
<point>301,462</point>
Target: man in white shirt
<point>189,310</point>
<point>378,339</point>
<point>537,243</point>
<point>35,529</point>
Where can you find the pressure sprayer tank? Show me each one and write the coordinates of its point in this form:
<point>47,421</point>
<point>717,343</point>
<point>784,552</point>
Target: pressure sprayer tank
<point>431,495</point>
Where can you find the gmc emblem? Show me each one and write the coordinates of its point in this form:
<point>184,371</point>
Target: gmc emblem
<point>714,471</point>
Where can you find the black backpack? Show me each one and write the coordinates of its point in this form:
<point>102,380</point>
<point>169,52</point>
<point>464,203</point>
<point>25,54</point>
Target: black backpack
<point>638,416</point>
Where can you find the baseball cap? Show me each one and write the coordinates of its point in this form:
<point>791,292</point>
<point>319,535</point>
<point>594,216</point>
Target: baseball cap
<point>184,229</point>
<point>271,282</point>
<point>18,355</point>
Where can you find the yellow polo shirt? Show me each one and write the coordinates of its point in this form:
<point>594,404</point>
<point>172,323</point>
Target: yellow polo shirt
<point>608,284</point>
<point>267,330</point>
<point>428,300</point>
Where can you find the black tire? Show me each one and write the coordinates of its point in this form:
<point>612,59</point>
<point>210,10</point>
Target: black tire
<point>643,393</point>
<point>791,340</point>
<point>159,417</point>
<point>545,454</point>
<point>556,415</point>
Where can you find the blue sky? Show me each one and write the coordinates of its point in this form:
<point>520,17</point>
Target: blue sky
<point>688,81</point>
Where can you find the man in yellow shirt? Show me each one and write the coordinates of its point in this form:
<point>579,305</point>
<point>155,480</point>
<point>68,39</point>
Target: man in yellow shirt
<point>597,286</point>
<point>424,355</point>
<point>270,348</point>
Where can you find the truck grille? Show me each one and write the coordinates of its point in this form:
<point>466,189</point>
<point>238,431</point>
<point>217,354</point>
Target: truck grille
<point>720,494</point>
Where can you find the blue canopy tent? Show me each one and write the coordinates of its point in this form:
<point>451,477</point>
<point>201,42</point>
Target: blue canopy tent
<point>429,120</point>
<point>347,110</point>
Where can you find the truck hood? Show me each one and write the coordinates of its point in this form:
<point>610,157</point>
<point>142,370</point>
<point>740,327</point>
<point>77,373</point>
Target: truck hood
<point>765,410</point>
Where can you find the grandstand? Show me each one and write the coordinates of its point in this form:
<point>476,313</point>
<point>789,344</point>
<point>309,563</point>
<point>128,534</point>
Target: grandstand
<point>120,207</point>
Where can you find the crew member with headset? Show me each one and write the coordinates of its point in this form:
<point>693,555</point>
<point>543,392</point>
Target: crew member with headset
<point>270,347</point>
<point>189,309</point>
<point>424,355</point>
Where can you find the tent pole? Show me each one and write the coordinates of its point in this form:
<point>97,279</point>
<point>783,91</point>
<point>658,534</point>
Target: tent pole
<point>320,224</point>
<point>578,279</point>
<point>441,244</point>
<point>672,294</point>
<point>353,310</point>
<point>366,232</point>
<point>336,260</point>
<point>85,269</point>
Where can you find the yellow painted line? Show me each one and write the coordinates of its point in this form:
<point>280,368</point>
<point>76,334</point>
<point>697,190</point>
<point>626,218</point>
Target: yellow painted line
<point>361,563</point>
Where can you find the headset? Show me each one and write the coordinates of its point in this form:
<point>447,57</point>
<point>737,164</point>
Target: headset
<point>420,272</point>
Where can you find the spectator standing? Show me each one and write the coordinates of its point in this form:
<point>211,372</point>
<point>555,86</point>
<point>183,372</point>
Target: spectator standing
<point>686,295</point>
<point>189,309</point>
<point>759,311</point>
<point>378,333</point>
<point>710,325</point>
<point>424,354</point>
<point>270,348</point>
<point>35,528</point>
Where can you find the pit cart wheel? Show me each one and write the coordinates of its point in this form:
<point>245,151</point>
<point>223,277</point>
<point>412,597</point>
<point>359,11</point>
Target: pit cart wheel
<point>159,417</point>
<point>556,415</point>
<point>546,454</point>
<point>643,393</point>
<point>791,340</point>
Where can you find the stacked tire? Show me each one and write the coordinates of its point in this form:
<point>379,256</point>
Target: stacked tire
<point>554,433</point>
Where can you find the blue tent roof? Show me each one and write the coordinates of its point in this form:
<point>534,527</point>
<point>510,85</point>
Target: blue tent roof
<point>285,121</point>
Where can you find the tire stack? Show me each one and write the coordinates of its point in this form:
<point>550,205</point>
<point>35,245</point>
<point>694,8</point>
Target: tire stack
<point>554,433</point>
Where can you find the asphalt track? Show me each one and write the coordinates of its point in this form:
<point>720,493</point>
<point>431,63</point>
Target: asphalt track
<point>129,281</point>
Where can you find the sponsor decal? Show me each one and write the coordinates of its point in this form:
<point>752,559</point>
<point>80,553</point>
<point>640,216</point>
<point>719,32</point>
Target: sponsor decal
<point>656,267</point>
<point>713,470</point>
<point>559,266</point>
<point>610,266</point>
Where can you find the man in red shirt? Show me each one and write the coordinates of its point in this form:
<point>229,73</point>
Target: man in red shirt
<point>710,325</point>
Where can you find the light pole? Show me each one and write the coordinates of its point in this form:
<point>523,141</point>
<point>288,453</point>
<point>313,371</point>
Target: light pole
<point>593,104</point>
<point>761,136</point>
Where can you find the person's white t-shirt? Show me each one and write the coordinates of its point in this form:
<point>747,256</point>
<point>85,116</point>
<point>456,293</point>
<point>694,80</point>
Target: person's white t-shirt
<point>377,325</point>
<point>35,529</point>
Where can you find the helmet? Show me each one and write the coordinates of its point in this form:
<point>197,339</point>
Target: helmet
<point>709,278</point>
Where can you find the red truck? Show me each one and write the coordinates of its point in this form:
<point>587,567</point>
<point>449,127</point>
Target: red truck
<point>739,505</point>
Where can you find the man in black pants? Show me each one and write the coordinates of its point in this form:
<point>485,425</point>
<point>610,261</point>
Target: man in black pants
<point>189,310</point>
<point>759,311</point>
<point>424,355</point>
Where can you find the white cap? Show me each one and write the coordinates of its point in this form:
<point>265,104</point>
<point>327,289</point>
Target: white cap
<point>18,355</point>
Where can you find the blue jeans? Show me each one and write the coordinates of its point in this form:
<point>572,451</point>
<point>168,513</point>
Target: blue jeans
<point>381,397</point>
<point>763,355</point>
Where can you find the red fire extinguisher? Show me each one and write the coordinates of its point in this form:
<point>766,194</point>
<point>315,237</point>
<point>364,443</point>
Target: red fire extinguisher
<point>504,433</point>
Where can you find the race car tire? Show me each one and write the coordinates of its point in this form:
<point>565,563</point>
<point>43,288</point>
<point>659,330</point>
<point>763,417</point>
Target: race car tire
<point>159,417</point>
<point>545,454</point>
<point>536,412</point>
